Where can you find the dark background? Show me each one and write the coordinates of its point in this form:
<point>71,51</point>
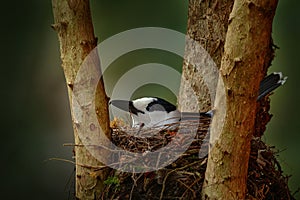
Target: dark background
<point>35,113</point>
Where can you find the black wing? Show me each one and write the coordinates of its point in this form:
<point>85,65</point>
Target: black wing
<point>159,104</point>
<point>270,83</point>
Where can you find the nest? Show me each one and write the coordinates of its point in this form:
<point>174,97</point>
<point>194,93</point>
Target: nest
<point>183,178</point>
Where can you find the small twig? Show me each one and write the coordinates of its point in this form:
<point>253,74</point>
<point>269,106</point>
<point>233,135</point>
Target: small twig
<point>167,175</point>
<point>92,145</point>
<point>77,164</point>
<point>135,183</point>
<point>188,187</point>
<point>72,144</point>
<point>62,159</point>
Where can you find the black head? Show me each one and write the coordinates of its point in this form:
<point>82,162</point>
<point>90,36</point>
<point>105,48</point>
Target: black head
<point>126,106</point>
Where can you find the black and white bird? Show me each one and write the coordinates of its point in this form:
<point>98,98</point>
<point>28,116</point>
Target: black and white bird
<point>152,112</point>
<point>156,112</point>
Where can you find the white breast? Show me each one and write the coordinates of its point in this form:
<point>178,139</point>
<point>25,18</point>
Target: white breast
<point>155,119</point>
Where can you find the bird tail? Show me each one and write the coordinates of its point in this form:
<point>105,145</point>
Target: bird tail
<point>267,85</point>
<point>270,83</point>
<point>195,115</point>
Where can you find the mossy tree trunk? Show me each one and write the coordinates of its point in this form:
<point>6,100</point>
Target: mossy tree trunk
<point>73,23</point>
<point>237,35</point>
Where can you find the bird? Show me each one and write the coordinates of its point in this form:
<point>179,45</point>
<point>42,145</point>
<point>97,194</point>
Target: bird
<point>150,112</point>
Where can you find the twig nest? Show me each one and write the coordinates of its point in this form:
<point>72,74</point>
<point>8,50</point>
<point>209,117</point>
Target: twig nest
<point>183,179</point>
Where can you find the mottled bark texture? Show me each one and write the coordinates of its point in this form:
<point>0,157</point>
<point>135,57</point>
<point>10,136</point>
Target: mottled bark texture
<point>207,25</point>
<point>244,61</point>
<point>73,23</point>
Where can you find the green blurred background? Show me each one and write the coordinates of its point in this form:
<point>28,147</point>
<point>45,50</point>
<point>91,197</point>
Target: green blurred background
<point>36,117</point>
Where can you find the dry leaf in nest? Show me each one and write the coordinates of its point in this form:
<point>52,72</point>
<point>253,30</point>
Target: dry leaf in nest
<point>116,123</point>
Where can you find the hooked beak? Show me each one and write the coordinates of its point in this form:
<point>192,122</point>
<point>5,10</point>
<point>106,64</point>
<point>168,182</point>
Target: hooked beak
<point>122,104</point>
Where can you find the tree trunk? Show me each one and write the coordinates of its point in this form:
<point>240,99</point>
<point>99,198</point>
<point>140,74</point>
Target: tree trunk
<point>246,48</point>
<point>207,25</point>
<point>73,24</point>
<point>238,38</point>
